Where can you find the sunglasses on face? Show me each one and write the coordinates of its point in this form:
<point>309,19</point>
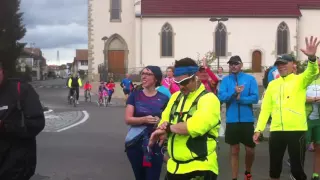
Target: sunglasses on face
<point>146,74</point>
<point>184,81</point>
<point>234,64</point>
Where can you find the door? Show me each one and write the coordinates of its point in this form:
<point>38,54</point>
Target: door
<point>256,61</point>
<point>116,62</point>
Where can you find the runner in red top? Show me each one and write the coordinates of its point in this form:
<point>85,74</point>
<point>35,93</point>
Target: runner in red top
<point>87,86</point>
<point>110,86</point>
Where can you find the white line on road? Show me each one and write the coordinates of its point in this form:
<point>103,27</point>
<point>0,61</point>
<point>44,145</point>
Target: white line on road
<point>221,131</point>
<point>84,119</point>
<point>49,111</point>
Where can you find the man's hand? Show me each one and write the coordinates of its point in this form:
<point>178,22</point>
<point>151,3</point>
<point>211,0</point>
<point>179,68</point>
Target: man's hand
<point>204,62</point>
<point>311,47</point>
<point>163,126</point>
<point>158,134</point>
<point>239,89</point>
<point>256,137</point>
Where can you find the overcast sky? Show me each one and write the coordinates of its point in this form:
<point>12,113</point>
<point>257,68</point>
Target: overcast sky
<point>56,25</point>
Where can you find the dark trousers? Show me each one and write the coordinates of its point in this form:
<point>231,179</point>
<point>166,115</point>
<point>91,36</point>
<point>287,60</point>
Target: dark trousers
<point>77,91</point>
<point>109,96</point>
<point>203,175</point>
<point>135,156</point>
<point>296,143</point>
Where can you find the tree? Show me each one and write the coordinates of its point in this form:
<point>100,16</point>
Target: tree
<point>11,31</point>
<point>301,65</point>
<point>210,57</point>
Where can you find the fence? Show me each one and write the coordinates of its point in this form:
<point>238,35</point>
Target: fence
<point>119,73</point>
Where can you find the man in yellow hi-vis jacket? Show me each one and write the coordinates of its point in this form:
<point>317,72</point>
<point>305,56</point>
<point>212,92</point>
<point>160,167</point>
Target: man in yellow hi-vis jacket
<point>285,100</point>
<point>74,84</point>
<point>191,121</point>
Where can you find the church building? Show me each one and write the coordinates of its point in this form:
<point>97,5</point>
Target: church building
<point>125,35</point>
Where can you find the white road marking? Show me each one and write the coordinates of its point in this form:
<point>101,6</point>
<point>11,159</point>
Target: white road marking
<point>84,119</point>
<point>51,116</point>
<point>49,111</point>
<point>221,131</point>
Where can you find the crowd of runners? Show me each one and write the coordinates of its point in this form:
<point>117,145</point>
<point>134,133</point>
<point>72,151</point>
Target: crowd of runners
<point>180,114</point>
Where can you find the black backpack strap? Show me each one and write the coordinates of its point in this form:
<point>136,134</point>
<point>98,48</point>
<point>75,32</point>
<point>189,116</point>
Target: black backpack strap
<point>195,103</point>
<point>174,107</point>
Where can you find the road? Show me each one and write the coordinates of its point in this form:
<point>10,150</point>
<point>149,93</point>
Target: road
<point>94,149</point>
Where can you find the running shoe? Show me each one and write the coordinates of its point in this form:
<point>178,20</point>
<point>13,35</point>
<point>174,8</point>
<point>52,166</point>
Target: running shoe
<point>247,177</point>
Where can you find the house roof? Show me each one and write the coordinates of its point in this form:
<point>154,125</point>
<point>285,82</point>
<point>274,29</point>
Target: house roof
<point>81,54</point>
<point>33,52</point>
<point>226,8</point>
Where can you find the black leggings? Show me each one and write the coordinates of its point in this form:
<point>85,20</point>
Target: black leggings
<point>109,97</point>
<point>296,143</point>
<point>205,175</point>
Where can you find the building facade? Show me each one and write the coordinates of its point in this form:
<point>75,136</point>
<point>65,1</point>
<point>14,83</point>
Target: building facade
<point>80,61</point>
<point>125,35</point>
<point>33,58</point>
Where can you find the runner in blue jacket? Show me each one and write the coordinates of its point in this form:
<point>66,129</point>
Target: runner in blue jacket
<point>239,91</point>
<point>239,110</point>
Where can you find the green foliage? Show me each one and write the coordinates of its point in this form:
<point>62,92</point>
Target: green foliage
<point>11,31</point>
<point>247,70</point>
<point>210,57</point>
<point>301,64</point>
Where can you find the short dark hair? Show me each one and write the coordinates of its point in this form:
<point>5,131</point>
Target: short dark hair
<point>170,67</point>
<point>185,62</point>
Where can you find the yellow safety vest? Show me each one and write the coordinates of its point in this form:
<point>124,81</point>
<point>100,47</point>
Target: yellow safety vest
<point>196,151</point>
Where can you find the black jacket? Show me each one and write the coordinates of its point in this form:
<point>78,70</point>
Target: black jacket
<point>18,142</point>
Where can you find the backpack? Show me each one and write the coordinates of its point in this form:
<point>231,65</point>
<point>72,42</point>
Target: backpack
<point>265,81</point>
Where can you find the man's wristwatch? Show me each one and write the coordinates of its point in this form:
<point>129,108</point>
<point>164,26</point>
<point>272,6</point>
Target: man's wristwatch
<point>168,128</point>
<point>312,58</point>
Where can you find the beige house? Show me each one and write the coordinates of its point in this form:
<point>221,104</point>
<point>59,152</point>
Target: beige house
<point>125,35</point>
<point>33,58</point>
<point>80,61</point>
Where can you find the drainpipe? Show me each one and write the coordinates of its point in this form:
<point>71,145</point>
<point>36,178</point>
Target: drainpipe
<point>297,37</point>
<point>141,39</point>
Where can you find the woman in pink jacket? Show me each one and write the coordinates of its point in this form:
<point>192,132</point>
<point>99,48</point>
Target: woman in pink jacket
<point>208,78</point>
<point>168,81</point>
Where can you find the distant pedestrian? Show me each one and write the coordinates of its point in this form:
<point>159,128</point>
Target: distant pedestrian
<point>239,91</point>
<point>127,86</point>
<point>168,81</point>
<point>21,120</point>
<point>110,86</point>
<point>208,78</point>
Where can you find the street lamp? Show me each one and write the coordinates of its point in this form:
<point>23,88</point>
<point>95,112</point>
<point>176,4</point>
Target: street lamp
<point>104,39</point>
<point>214,19</point>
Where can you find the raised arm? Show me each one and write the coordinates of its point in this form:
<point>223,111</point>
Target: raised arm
<point>312,69</point>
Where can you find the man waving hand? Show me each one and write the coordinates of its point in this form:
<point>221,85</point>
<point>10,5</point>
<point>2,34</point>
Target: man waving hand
<point>285,100</point>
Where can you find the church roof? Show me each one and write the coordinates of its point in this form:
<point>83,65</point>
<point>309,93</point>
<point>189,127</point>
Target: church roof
<point>226,8</point>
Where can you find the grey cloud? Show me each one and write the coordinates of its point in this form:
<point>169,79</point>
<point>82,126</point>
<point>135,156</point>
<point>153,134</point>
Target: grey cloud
<point>57,36</point>
<point>54,12</point>
<point>55,23</point>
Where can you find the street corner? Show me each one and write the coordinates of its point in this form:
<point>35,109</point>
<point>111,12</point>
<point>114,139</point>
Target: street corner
<point>61,121</point>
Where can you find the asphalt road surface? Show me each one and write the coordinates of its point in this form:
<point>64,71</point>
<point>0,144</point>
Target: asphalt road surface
<point>94,148</point>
